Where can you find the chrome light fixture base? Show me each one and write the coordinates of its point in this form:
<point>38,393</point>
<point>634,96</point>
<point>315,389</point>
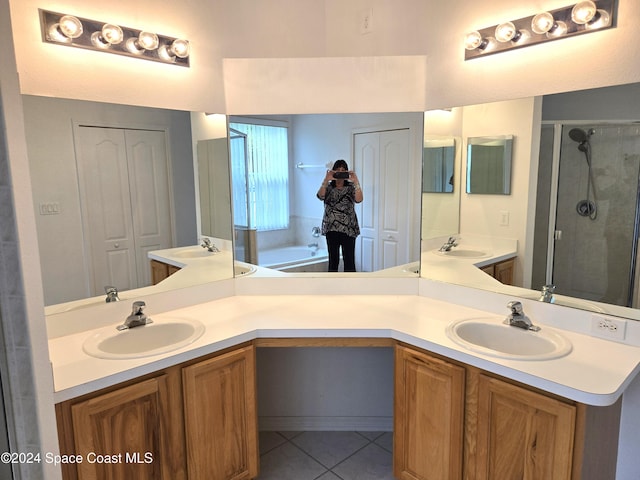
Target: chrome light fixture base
<point>106,37</point>
<point>577,19</point>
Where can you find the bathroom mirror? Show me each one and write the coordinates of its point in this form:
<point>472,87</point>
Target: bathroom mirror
<point>70,144</point>
<point>284,216</point>
<point>214,190</point>
<point>438,163</point>
<point>564,207</point>
<point>489,165</point>
<point>441,213</point>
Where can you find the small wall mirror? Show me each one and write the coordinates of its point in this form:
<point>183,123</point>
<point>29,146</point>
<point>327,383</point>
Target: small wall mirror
<point>489,165</point>
<point>438,161</point>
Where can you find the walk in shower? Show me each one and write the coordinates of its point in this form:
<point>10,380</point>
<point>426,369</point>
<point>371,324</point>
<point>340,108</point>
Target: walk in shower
<point>588,191</point>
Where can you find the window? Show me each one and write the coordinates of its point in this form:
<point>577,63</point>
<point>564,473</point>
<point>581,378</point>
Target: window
<point>260,172</point>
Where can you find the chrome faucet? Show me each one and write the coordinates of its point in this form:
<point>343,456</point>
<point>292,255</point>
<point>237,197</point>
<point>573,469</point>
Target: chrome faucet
<point>547,294</point>
<point>448,245</point>
<point>315,232</point>
<point>517,318</point>
<point>208,244</point>
<point>112,294</point>
<point>137,317</point>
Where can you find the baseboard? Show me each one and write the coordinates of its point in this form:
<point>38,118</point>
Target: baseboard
<point>304,424</point>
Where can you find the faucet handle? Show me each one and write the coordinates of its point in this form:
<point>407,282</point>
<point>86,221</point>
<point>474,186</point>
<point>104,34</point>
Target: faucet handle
<point>515,307</point>
<point>137,307</point>
<point>549,288</point>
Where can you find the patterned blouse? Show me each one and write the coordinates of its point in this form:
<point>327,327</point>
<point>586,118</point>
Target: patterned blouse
<point>339,211</point>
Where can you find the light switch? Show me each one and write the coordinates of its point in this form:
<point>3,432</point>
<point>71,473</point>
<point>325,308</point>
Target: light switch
<point>504,218</point>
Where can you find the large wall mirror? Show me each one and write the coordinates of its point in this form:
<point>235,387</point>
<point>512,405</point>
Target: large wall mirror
<point>573,211</point>
<point>278,164</point>
<point>112,183</point>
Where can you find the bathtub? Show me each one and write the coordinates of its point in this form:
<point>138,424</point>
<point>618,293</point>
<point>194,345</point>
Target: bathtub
<point>294,258</point>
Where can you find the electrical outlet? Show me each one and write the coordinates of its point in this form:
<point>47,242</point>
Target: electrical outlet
<point>608,327</point>
<point>50,208</point>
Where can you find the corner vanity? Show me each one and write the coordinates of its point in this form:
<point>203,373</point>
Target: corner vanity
<point>191,411</point>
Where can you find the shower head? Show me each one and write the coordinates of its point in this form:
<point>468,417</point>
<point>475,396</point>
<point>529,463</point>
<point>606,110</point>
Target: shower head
<point>582,137</point>
<point>578,135</point>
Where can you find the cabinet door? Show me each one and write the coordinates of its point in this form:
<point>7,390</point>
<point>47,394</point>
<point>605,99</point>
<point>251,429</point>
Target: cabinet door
<point>220,417</point>
<point>503,272</point>
<point>428,417</point>
<point>159,271</point>
<point>522,434</point>
<point>122,435</point>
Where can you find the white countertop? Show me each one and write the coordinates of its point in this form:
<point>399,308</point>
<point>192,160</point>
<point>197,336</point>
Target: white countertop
<point>197,267</point>
<point>448,268</point>
<point>596,372</point>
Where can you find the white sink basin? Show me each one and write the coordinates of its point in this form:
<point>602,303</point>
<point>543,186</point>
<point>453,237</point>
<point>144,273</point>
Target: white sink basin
<point>463,253</point>
<point>151,339</point>
<point>243,269</point>
<point>490,336</point>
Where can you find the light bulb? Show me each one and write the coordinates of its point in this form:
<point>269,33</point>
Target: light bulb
<point>583,12</point>
<point>109,35</point>
<point>148,40</point>
<point>472,40</point>
<point>67,28</point>
<point>545,23</point>
<point>542,23</point>
<point>506,32</point>
<point>601,19</point>
<point>70,26</point>
<point>144,41</point>
<point>560,28</point>
<point>178,48</point>
<point>112,34</point>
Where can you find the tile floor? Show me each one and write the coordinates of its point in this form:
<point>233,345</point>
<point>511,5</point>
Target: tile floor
<point>325,456</point>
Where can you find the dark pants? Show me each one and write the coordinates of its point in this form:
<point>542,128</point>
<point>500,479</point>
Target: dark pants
<point>337,241</point>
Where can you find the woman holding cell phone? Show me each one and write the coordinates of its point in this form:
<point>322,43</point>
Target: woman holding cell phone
<point>340,191</point>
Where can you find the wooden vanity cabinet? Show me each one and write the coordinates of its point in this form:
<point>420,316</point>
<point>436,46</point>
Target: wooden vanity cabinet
<point>196,420</point>
<point>510,431</point>
<point>161,270</point>
<point>513,432</point>
<point>428,417</point>
<point>501,271</point>
<point>221,417</point>
<point>134,427</point>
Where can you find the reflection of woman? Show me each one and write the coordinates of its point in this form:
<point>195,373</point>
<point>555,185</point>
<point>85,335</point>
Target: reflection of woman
<point>339,223</point>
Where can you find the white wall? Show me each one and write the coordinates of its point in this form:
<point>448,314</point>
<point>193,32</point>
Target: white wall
<point>247,51</point>
<point>52,162</point>
<point>482,214</point>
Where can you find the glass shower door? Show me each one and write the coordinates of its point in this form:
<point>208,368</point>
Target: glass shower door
<point>596,214</point>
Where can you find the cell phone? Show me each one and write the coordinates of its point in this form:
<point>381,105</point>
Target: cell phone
<point>341,175</point>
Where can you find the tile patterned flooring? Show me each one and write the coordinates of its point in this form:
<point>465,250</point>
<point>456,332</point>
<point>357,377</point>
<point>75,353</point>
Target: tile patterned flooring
<point>325,456</point>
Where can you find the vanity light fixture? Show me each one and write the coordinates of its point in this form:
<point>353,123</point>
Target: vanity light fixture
<point>79,32</point>
<point>583,17</point>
